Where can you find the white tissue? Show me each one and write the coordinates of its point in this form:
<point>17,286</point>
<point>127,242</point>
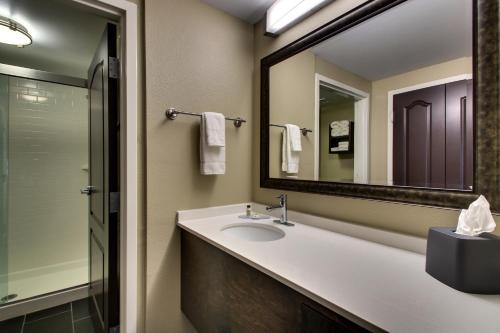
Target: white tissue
<point>477,219</point>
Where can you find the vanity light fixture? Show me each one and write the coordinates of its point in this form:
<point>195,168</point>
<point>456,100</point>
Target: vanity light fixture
<point>283,13</point>
<point>13,33</point>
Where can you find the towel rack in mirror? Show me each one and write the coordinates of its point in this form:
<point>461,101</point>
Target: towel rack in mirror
<point>171,113</point>
<point>303,129</point>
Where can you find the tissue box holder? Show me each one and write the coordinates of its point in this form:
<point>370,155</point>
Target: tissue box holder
<point>467,263</point>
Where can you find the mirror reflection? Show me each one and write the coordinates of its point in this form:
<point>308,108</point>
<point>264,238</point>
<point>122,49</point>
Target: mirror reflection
<point>387,102</point>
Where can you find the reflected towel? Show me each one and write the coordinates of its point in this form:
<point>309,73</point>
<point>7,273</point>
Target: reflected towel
<point>289,156</point>
<point>339,128</point>
<point>294,137</point>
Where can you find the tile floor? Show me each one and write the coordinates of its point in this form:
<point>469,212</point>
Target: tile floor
<point>72,317</point>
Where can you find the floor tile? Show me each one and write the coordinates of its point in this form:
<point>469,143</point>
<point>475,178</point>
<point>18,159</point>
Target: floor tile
<point>84,326</point>
<point>48,312</point>
<point>60,323</point>
<point>13,325</point>
<point>81,309</point>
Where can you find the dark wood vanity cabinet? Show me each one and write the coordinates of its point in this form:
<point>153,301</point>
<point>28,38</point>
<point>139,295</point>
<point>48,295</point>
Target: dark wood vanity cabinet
<point>220,293</point>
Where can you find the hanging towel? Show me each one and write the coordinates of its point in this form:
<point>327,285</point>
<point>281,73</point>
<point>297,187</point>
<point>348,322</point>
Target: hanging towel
<point>294,136</point>
<point>212,158</point>
<point>290,156</point>
<point>215,129</point>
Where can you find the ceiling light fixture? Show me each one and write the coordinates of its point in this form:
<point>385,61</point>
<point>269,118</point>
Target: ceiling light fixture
<point>283,13</point>
<point>14,33</point>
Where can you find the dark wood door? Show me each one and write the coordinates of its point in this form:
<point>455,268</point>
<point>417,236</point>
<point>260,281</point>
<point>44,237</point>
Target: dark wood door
<point>459,135</point>
<point>433,138</point>
<point>104,182</point>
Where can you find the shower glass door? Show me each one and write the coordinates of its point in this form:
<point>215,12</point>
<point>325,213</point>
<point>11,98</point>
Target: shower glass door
<point>44,218</point>
<point>4,135</point>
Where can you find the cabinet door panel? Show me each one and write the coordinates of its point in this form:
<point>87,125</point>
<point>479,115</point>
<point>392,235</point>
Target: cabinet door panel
<point>220,293</point>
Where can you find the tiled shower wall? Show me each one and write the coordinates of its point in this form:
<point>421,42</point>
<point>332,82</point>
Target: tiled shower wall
<point>47,215</point>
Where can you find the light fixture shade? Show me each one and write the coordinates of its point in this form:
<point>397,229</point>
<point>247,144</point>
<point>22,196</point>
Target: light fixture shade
<point>284,13</point>
<point>13,33</point>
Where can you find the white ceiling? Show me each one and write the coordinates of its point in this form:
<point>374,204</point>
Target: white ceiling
<point>65,35</point>
<point>415,34</point>
<point>248,10</point>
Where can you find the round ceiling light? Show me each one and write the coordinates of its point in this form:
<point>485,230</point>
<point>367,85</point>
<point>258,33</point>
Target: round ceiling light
<point>14,33</point>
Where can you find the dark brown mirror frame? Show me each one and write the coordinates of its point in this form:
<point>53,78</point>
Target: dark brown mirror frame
<point>486,104</point>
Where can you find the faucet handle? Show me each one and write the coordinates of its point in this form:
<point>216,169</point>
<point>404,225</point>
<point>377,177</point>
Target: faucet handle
<point>283,199</point>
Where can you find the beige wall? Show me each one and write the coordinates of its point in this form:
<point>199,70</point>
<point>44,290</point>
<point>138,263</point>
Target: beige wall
<point>379,105</point>
<point>291,83</point>
<point>197,59</point>
<point>292,87</point>
<point>334,167</point>
<point>409,219</point>
<point>339,74</point>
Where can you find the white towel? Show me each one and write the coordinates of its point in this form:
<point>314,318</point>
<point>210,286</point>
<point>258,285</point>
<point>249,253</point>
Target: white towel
<point>294,136</point>
<point>212,158</point>
<point>289,156</point>
<point>342,146</point>
<point>339,128</point>
<point>215,129</point>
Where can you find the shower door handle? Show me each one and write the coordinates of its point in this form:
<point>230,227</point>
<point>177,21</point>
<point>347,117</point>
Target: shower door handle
<point>88,190</point>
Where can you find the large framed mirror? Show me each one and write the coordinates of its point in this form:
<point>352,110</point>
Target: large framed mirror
<point>395,100</point>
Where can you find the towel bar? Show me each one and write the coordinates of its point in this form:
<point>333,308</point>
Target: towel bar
<point>303,129</point>
<point>171,113</point>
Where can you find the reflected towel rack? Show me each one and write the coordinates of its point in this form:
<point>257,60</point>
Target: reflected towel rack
<point>172,113</point>
<point>303,129</point>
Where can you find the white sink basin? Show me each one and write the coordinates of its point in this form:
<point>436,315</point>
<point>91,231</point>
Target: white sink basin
<point>254,232</point>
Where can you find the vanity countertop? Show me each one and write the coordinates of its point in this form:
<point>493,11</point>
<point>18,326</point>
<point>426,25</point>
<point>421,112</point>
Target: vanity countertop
<point>385,286</point>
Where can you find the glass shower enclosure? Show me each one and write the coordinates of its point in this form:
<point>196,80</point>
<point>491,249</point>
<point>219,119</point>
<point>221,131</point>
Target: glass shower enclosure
<point>43,165</point>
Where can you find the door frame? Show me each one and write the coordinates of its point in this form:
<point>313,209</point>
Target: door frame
<point>126,13</point>
<point>390,120</point>
<point>361,126</point>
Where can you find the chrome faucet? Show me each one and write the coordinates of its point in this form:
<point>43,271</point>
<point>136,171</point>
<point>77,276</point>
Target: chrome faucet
<point>284,213</point>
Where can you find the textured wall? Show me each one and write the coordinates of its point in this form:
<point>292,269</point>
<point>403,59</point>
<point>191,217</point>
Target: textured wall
<point>292,102</point>
<point>197,59</point>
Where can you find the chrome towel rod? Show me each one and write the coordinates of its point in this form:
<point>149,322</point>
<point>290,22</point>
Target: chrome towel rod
<point>172,113</point>
<point>303,129</point>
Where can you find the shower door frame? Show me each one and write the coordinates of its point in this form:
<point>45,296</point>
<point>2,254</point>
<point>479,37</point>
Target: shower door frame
<point>34,74</point>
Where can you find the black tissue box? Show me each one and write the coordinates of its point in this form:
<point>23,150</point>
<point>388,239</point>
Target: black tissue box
<point>467,263</point>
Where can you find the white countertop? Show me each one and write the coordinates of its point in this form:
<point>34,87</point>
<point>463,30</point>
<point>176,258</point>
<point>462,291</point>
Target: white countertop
<point>385,286</point>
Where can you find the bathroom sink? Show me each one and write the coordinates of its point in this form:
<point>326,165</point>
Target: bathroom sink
<point>254,232</point>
